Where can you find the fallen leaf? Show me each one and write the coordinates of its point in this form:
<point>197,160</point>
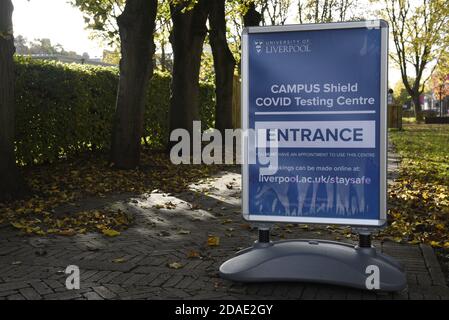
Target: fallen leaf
<point>175,265</point>
<point>66,232</point>
<point>213,241</point>
<point>18,225</point>
<point>246,226</point>
<point>435,244</point>
<point>193,254</point>
<point>110,232</point>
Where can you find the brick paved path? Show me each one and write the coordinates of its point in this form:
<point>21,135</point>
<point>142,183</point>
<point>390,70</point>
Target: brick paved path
<point>135,265</point>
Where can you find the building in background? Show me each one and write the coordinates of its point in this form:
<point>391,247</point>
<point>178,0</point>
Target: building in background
<point>440,92</point>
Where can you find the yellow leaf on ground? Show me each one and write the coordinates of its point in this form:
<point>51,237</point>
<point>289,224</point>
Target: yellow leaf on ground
<point>67,232</point>
<point>213,241</point>
<point>193,254</point>
<point>175,265</point>
<point>435,244</point>
<point>119,260</point>
<point>18,225</point>
<point>110,232</point>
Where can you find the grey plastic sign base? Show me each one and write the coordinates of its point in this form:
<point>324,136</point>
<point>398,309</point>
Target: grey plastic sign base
<point>314,261</point>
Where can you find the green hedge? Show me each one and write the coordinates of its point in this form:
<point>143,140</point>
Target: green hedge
<point>65,109</point>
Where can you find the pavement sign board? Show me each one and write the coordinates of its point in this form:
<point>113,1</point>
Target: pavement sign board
<point>315,96</point>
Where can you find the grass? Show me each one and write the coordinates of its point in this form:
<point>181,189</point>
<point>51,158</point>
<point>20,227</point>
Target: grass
<point>406,120</point>
<point>424,182</point>
<point>419,199</point>
<point>424,148</point>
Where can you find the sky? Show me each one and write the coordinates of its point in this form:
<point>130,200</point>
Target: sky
<point>62,23</point>
<point>57,20</point>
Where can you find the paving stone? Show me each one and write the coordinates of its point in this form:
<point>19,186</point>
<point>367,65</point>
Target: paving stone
<point>354,294</point>
<point>433,266</point>
<point>54,284</point>
<point>85,275</point>
<point>160,280</point>
<point>309,293</point>
<point>41,287</point>
<point>135,279</point>
<point>400,295</point>
<point>115,288</point>
<point>92,296</point>
<point>279,290</point>
<point>414,295</point>
<point>176,293</point>
<point>7,293</point>
<point>104,292</point>
<point>16,296</point>
<point>144,273</point>
<point>173,281</point>
<point>13,285</point>
<point>122,278</point>
<point>110,277</point>
<point>30,294</point>
<point>424,280</point>
<point>66,295</point>
<point>98,276</point>
<point>185,282</point>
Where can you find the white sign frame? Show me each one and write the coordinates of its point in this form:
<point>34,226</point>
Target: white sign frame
<point>370,24</point>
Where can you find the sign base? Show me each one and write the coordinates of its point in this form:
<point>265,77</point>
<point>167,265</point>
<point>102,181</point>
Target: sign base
<point>315,261</point>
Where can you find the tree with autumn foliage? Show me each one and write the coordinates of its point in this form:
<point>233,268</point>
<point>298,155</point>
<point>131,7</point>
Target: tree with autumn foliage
<point>324,11</point>
<point>440,80</point>
<point>420,36</point>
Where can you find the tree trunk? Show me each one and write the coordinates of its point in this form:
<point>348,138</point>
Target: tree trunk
<point>224,64</point>
<point>418,108</point>
<point>252,17</point>
<point>187,38</point>
<point>136,27</point>
<point>11,183</point>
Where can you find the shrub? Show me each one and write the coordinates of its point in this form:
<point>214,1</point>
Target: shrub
<point>65,109</point>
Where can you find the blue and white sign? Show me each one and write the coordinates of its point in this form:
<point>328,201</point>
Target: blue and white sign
<point>315,96</point>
